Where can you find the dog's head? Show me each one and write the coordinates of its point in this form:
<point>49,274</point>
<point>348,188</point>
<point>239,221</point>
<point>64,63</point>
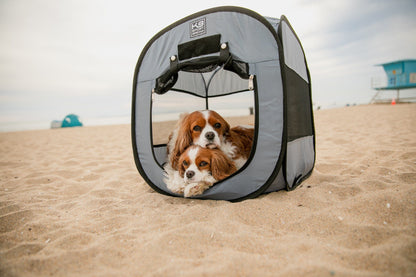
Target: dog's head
<point>199,164</point>
<point>204,128</point>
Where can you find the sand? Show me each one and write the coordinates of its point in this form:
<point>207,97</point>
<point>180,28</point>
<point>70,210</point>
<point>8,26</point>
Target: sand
<point>72,203</point>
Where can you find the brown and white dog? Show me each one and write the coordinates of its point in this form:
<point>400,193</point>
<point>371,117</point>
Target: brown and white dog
<point>198,169</point>
<point>210,130</point>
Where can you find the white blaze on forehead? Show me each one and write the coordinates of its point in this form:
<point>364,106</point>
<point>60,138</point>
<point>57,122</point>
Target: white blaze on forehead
<point>192,154</point>
<point>206,115</point>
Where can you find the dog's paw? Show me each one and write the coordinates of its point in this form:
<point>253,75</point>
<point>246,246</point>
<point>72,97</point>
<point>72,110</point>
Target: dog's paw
<point>177,190</point>
<point>174,182</point>
<point>195,189</point>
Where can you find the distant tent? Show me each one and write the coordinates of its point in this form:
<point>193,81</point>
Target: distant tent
<point>71,120</point>
<point>56,124</point>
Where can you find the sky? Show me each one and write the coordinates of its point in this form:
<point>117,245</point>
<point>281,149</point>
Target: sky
<point>79,56</point>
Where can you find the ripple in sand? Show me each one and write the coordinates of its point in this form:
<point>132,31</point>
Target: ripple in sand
<point>11,221</point>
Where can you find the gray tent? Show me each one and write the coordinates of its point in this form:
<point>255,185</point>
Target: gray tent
<point>223,51</point>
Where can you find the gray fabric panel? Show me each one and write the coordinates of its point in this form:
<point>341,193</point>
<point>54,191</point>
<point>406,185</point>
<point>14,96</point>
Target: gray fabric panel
<point>300,158</point>
<point>160,154</point>
<point>143,134</point>
<point>278,184</point>
<point>293,52</point>
<point>219,82</point>
<point>225,81</point>
<point>193,82</point>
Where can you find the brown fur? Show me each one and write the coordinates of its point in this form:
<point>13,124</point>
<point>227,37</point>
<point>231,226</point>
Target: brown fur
<point>221,165</point>
<point>242,138</point>
<point>218,163</point>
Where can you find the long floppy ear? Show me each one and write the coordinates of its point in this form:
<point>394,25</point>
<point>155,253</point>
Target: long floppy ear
<point>181,168</point>
<point>183,140</point>
<point>173,136</point>
<point>221,165</point>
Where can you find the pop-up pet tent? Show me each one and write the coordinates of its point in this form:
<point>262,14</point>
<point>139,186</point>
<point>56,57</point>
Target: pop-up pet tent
<point>228,51</point>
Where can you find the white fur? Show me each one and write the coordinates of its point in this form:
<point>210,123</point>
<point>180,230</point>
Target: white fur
<point>202,140</point>
<point>246,126</point>
<point>229,149</point>
<point>239,162</point>
<point>173,180</point>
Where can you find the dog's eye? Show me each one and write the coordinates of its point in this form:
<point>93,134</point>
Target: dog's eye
<point>217,125</point>
<point>185,163</point>
<point>203,163</point>
<point>197,128</point>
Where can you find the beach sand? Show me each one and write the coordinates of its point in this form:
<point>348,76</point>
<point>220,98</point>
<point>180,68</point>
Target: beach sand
<point>72,203</point>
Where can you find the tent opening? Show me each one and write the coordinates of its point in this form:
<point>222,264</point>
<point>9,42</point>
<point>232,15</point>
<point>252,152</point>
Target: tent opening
<point>219,89</point>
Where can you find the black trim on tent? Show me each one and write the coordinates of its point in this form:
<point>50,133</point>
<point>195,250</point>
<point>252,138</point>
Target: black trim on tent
<point>267,24</point>
<point>283,76</point>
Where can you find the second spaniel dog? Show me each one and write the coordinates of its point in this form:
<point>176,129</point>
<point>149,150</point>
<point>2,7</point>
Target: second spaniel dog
<point>210,130</point>
<point>198,169</point>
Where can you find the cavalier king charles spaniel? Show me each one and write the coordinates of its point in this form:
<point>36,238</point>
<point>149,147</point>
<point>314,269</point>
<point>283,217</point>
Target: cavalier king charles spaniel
<point>198,169</point>
<point>210,130</point>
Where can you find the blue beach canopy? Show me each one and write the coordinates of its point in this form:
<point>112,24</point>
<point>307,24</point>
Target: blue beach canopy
<point>71,120</point>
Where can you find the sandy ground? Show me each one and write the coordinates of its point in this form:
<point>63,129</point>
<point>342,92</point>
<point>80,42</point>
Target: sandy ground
<point>72,203</point>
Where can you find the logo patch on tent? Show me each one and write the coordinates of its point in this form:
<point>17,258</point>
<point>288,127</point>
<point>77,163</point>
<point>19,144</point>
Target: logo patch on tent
<point>198,27</point>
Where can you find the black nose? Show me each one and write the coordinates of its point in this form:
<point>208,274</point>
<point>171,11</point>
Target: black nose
<point>190,174</point>
<point>210,135</point>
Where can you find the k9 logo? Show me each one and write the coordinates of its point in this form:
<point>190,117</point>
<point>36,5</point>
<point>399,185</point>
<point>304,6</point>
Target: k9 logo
<point>198,27</point>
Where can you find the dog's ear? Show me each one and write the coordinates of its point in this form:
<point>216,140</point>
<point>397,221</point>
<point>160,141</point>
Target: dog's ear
<point>221,165</point>
<point>183,141</point>
<point>181,168</point>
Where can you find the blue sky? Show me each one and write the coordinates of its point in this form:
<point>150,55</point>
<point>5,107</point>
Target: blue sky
<point>60,57</point>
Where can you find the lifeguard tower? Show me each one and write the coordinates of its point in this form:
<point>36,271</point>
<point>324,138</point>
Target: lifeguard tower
<point>400,75</point>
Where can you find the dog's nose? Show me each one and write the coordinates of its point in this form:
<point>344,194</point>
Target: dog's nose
<point>190,174</point>
<point>210,135</point>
